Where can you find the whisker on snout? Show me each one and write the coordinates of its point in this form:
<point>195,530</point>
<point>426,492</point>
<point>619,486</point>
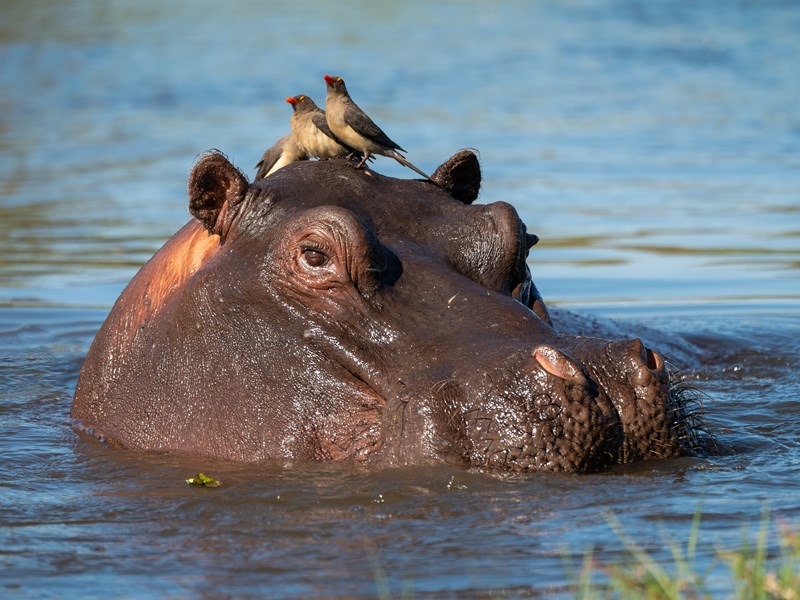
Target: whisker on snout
<point>687,412</point>
<point>440,385</point>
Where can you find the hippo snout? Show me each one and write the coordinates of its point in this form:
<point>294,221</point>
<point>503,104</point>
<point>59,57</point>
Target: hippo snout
<point>636,381</point>
<point>579,405</point>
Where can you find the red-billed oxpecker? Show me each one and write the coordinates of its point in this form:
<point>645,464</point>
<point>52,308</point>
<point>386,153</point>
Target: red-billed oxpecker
<point>311,131</point>
<point>353,127</point>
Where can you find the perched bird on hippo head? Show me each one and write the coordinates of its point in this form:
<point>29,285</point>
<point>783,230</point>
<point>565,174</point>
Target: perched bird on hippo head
<point>354,128</point>
<point>311,132</point>
<point>285,151</point>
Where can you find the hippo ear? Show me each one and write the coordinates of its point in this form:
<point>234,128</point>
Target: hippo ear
<point>460,176</point>
<point>216,187</point>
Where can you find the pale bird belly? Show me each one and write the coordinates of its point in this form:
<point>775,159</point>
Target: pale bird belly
<point>325,147</point>
<point>355,140</point>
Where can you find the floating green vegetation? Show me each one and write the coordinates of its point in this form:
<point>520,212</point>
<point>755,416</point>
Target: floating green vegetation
<point>201,480</point>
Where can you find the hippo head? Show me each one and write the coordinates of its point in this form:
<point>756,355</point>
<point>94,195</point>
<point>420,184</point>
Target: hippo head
<point>332,313</point>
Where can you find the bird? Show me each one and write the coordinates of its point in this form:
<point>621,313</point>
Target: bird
<point>311,132</point>
<point>354,128</point>
<point>285,151</point>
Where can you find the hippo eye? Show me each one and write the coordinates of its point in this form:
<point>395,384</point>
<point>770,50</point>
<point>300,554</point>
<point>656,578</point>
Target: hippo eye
<point>314,258</point>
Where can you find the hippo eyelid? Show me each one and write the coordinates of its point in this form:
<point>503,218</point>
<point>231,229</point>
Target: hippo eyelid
<point>316,243</point>
<point>314,257</point>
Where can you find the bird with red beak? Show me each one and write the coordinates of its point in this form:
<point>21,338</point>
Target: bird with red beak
<point>353,127</point>
<point>311,132</point>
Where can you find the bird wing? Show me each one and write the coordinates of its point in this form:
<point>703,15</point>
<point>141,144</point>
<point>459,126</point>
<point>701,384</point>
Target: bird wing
<point>269,159</point>
<point>360,122</point>
<point>321,123</point>
<point>282,153</point>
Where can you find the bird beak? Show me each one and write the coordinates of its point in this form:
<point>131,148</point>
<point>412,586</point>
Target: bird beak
<point>329,79</point>
<point>291,101</point>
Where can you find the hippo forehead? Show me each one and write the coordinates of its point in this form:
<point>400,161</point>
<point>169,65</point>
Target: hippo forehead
<point>394,209</point>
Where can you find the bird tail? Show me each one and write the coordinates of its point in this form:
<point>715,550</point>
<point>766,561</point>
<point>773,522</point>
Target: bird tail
<point>402,160</point>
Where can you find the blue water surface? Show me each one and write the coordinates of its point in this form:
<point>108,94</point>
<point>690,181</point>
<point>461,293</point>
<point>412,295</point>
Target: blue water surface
<point>653,146</point>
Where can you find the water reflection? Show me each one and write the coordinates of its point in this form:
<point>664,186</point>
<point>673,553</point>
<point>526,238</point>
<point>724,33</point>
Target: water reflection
<point>629,125</point>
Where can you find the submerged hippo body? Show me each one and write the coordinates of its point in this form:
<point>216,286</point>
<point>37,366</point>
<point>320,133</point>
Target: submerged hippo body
<point>333,313</point>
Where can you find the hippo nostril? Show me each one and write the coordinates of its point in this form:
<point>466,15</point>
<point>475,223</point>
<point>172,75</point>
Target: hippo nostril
<point>653,360</point>
<point>557,363</point>
<point>645,366</point>
<point>644,356</point>
<point>650,367</point>
<point>636,348</point>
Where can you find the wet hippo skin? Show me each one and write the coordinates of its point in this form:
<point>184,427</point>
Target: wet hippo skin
<point>329,313</point>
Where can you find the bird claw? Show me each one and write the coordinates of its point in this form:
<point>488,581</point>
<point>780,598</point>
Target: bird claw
<point>355,155</point>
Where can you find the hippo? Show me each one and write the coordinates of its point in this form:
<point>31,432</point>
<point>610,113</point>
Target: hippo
<point>332,313</point>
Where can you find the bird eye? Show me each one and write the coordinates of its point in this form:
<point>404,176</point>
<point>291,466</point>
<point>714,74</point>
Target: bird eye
<point>339,79</point>
<point>314,258</point>
<point>302,98</point>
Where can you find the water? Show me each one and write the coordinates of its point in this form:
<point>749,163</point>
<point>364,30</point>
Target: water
<point>654,147</point>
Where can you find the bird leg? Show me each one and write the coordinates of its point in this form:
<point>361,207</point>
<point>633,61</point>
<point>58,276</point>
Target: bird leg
<point>363,160</point>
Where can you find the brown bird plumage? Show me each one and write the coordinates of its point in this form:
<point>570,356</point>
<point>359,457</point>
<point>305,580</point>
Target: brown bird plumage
<point>282,153</point>
<point>311,132</point>
<point>353,127</point>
